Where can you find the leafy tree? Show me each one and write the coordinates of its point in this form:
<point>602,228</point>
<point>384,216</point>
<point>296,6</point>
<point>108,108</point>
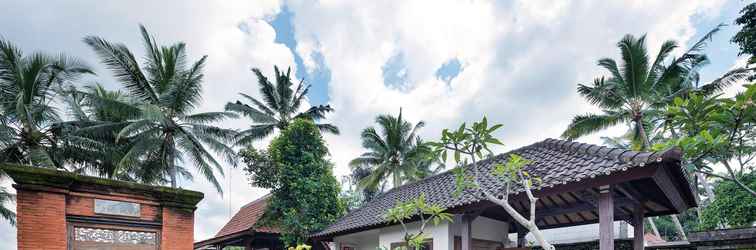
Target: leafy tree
<point>402,212</point>
<point>472,145</point>
<point>746,37</point>
<point>717,131</point>
<point>168,89</point>
<point>394,151</point>
<point>733,207</point>
<point>305,197</point>
<point>28,86</point>
<point>280,106</point>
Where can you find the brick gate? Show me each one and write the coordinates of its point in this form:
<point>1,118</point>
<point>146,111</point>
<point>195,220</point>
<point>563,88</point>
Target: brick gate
<point>59,210</point>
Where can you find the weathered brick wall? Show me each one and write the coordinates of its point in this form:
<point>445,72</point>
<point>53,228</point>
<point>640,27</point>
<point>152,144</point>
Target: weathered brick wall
<point>41,220</point>
<point>178,229</point>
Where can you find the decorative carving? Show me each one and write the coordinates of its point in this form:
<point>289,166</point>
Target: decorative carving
<point>115,236</point>
<point>117,208</point>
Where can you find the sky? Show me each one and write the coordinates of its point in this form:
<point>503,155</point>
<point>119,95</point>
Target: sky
<point>443,62</point>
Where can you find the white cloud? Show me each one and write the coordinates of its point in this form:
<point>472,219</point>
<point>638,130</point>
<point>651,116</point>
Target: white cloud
<point>522,59</point>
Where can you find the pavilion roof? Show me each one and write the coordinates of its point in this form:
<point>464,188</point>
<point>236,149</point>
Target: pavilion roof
<point>563,166</point>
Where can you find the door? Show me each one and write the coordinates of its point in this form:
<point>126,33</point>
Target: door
<point>97,237</point>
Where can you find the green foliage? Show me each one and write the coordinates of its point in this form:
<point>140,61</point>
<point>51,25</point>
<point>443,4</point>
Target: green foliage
<point>260,168</point>
<point>165,132</point>
<point>473,143</point>
<point>713,130</point>
<point>636,90</point>
<point>733,206</point>
<point>305,199</point>
<point>746,37</point>
<point>402,212</point>
<point>394,151</point>
<point>278,108</point>
<point>28,116</point>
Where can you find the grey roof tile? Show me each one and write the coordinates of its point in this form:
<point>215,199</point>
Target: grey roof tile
<point>556,162</point>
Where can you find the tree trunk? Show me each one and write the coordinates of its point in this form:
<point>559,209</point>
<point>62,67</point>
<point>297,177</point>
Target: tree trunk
<point>679,227</point>
<point>171,161</point>
<point>645,143</point>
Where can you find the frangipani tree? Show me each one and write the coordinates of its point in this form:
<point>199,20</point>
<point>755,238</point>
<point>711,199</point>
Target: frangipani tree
<point>470,145</point>
<point>402,212</point>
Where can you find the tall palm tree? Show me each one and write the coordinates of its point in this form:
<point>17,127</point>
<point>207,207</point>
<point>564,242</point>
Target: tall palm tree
<point>636,91</point>
<point>168,90</point>
<point>394,152</point>
<point>28,87</point>
<point>279,107</point>
<point>90,142</point>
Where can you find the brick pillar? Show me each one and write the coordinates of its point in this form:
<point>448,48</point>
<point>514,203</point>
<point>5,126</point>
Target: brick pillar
<point>41,220</point>
<point>178,229</point>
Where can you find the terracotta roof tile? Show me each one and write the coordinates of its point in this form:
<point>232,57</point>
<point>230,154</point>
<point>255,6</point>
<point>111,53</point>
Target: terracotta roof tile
<point>246,219</point>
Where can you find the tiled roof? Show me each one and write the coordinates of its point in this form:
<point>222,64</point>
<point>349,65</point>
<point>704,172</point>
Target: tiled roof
<point>246,219</point>
<point>556,162</point>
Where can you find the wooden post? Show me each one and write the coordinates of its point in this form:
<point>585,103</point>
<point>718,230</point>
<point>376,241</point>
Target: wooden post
<point>638,227</point>
<point>467,232</point>
<point>606,218</point>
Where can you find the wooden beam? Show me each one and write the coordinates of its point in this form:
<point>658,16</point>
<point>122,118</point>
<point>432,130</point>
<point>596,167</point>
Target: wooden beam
<point>638,227</point>
<point>669,189</point>
<point>606,218</point>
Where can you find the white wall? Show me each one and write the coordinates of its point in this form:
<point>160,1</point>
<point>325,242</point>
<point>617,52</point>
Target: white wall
<point>484,228</point>
<point>441,234</point>
<point>578,233</point>
<point>366,240</point>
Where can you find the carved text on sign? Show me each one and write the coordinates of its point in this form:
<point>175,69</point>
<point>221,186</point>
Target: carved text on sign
<point>116,208</point>
<point>114,236</point>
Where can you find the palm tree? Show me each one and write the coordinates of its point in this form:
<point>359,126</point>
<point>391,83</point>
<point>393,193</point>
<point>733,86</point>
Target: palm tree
<point>28,87</point>
<point>636,91</point>
<point>168,90</point>
<point>396,151</point>
<point>279,107</point>
<point>90,143</point>
<point>6,213</point>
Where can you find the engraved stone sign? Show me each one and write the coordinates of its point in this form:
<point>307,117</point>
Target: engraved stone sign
<point>121,208</point>
<point>114,236</point>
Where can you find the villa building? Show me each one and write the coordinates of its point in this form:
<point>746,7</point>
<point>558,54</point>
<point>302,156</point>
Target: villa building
<point>242,230</point>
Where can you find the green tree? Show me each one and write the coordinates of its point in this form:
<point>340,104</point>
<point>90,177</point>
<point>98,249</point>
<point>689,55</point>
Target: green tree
<point>305,198</point>
<point>280,106</point>
<point>28,87</point>
<point>394,152</point>
<point>91,145</point>
<point>168,89</point>
<point>733,207</point>
<point>746,37</point>
<point>429,215</point>
<point>717,131</point>
<point>469,146</point>
<point>637,89</point>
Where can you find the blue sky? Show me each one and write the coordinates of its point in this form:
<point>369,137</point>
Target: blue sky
<point>517,62</point>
